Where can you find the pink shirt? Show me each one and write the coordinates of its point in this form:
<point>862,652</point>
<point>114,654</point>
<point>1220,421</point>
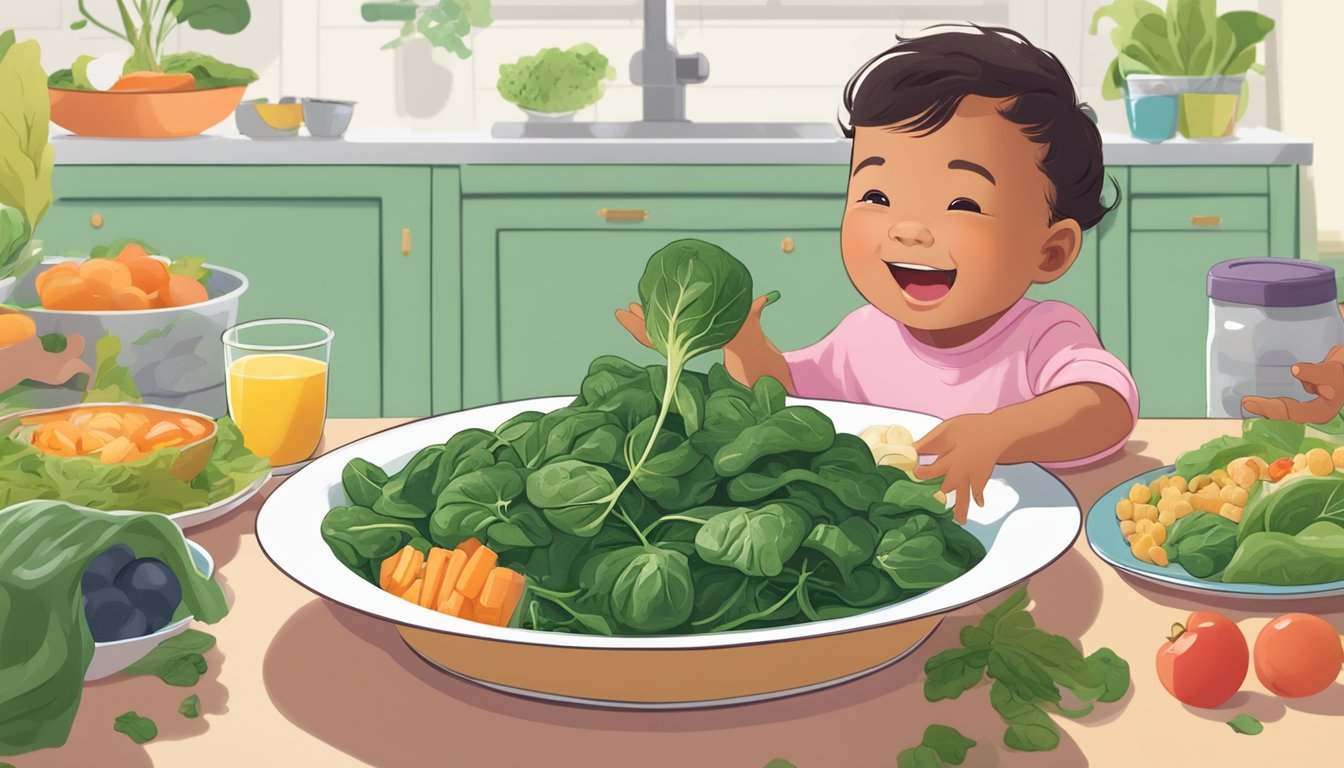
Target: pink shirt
<point>1034,348</point>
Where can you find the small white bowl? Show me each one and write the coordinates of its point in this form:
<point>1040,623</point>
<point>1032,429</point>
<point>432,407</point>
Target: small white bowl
<point>112,657</point>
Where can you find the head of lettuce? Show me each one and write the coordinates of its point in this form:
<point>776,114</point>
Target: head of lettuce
<point>45,644</point>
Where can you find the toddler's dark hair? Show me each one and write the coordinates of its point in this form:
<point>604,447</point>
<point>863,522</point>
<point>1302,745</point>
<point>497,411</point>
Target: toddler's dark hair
<point>918,84</point>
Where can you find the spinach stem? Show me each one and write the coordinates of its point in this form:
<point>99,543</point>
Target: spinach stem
<point>739,621</point>
<point>621,514</point>
<point>682,518</point>
<point>723,608</point>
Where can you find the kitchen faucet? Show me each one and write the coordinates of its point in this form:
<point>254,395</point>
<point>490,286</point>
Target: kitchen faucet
<point>660,70</point>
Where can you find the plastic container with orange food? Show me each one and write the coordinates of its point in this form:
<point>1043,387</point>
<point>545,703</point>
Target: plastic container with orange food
<point>170,326</point>
<point>118,433</point>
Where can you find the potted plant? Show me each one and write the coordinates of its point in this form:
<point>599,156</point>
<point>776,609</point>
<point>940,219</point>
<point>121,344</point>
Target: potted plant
<point>1201,57</point>
<point>26,158</point>
<point>150,94</point>
<point>555,83</point>
<point>445,24</point>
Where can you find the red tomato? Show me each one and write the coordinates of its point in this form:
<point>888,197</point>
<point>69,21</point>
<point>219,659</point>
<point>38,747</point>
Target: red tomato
<point>1298,654</point>
<point>1204,662</point>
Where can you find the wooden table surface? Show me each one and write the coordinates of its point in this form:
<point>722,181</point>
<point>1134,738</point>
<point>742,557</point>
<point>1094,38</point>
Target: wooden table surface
<point>297,681</point>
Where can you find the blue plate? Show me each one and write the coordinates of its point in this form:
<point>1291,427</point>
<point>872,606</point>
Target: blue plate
<point>1103,535</point>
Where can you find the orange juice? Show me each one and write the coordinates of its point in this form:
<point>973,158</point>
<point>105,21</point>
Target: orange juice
<point>280,403</point>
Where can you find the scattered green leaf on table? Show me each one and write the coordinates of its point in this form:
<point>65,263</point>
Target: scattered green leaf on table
<point>190,706</point>
<point>779,762</point>
<point>1245,724</point>
<point>138,729</point>
<point>177,660</point>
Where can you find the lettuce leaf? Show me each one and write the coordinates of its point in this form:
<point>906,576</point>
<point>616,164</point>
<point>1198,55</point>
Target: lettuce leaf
<point>112,382</point>
<point>47,645</point>
<point>26,155</point>
<point>147,485</point>
<point>556,80</point>
<point>208,71</point>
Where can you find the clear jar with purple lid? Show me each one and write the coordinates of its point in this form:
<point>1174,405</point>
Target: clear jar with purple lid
<point>1265,316</point>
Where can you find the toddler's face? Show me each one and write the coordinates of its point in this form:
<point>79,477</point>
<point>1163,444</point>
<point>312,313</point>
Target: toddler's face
<point>948,229</point>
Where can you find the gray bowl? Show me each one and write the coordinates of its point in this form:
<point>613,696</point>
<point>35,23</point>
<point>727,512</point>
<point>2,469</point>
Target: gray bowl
<point>327,118</point>
<point>252,126</point>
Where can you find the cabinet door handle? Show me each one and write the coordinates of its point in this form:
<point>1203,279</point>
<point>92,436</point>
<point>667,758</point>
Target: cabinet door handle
<point>96,221</point>
<point>1206,221</point>
<point>786,245</point>
<point>623,214</point>
<point>406,241</point>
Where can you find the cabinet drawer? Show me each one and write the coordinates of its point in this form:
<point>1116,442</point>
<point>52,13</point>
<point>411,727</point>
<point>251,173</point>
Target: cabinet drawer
<point>1199,180</point>
<point>1229,213</point>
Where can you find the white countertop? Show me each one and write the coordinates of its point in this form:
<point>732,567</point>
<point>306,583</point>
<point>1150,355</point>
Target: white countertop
<point>1251,146</point>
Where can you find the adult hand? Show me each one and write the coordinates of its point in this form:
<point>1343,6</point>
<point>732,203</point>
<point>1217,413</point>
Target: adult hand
<point>968,447</point>
<point>1324,379</point>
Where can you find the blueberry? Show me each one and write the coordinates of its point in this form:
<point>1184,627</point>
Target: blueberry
<point>153,588</point>
<point>107,610</point>
<point>135,625</point>
<point>102,569</point>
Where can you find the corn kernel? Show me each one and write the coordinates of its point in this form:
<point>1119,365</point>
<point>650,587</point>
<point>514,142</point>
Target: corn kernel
<point>1167,517</point>
<point>1166,504</point>
<point>1319,462</point>
<point>1260,464</point>
<point>1182,508</point>
<point>1179,484</point>
<point>1142,545</point>
<point>1158,533</point>
<point>1218,476</point>
<point>1147,512</point>
<point>1124,509</point>
<point>1246,475</point>
<point>1127,528</point>
<point>1338,457</point>
<point>1155,490</point>
<point>1139,494</point>
<point>1143,525</point>
<point>1225,492</point>
<point>1159,556</point>
<point>1169,492</point>
<point>1231,512</point>
<point>1197,482</point>
<point>1299,462</point>
<point>1237,496</point>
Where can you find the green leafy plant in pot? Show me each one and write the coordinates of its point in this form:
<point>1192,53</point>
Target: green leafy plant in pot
<point>1203,56</point>
<point>555,82</point>
<point>445,23</point>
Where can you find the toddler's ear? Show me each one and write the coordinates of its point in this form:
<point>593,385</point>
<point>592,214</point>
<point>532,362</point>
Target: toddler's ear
<point>1059,250</point>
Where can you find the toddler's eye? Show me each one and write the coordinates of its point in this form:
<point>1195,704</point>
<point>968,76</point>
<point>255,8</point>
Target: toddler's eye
<point>964,204</point>
<point>875,197</point>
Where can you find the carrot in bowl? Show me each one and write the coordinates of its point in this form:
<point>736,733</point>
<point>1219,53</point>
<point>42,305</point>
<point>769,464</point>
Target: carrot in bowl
<point>143,82</point>
<point>15,327</point>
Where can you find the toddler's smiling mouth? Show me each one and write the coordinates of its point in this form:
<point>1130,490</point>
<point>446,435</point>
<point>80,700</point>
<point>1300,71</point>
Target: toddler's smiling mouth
<point>922,282</point>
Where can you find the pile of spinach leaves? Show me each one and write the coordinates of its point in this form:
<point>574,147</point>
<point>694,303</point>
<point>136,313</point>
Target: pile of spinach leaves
<point>663,500</point>
<point>1290,534</point>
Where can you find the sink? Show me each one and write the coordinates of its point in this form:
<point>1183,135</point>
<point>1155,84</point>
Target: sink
<point>674,130</point>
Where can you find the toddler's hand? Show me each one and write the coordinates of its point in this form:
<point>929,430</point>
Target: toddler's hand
<point>632,320</point>
<point>967,448</point>
<point>1324,379</point>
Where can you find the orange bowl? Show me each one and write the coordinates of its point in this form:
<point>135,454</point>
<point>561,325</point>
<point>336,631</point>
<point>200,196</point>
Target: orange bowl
<point>143,115</point>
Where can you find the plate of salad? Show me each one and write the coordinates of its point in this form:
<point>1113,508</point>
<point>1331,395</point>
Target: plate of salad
<point>664,538</point>
<point>1259,515</point>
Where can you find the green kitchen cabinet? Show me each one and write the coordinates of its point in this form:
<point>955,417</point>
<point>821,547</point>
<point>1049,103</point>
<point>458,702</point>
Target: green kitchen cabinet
<point>1182,221</point>
<point>345,246</point>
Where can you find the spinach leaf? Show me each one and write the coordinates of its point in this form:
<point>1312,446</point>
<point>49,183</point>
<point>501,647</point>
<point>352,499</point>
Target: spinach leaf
<point>649,588</point>
<point>915,554</point>
<point>363,482</point>
<point>1283,435</point>
<point>1294,505</point>
<point>695,297</point>
<point>767,396</point>
<point>576,497</point>
<point>190,706</point>
<point>177,660</point>
<point>1315,555</point>
<point>1202,543</point>
<point>954,672</point>
<point>138,729</point>
<point>617,386</point>
<point>675,476</point>
<point>726,415</point>
<point>846,469</point>
<point>1030,729</point>
<point>1218,452</point>
<point>1246,725</point>
<point>1114,674</point>
<point>522,527</point>
<point>357,535</point>
<point>465,452</point>
<point>470,504</point>
<point>948,743</point>
<point>756,542</point>
<point>688,398</point>
<point>848,545</point>
<point>796,428</point>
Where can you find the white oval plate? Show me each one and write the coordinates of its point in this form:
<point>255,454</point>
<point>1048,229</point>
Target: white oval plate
<point>1029,520</point>
<point>195,517</point>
